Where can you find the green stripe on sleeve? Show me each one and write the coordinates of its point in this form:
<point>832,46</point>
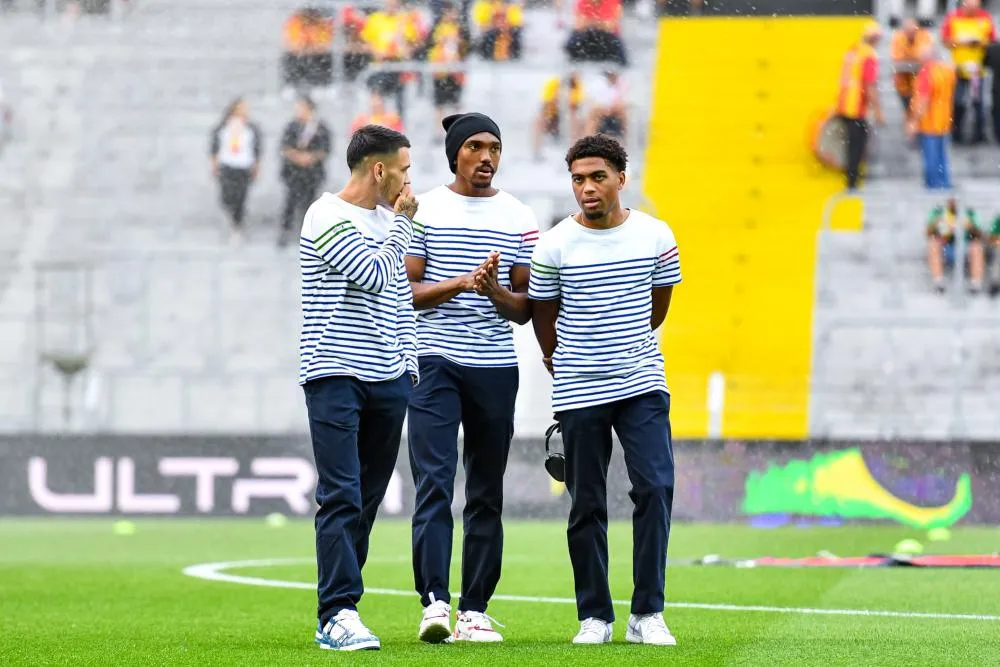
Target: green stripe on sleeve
<point>334,231</point>
<point>543,268</point>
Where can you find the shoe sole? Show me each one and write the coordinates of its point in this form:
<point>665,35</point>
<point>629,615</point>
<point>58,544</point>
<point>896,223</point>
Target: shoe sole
<point>373,645</point>
<point>435,634</point>
<point>636,639</point>
<point>361,646</point>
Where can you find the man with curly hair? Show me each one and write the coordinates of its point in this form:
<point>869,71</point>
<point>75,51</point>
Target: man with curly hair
<point>600,285</point>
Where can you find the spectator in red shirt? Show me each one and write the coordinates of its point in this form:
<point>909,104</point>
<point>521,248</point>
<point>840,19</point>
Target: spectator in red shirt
<point>357,55</point>
<point>967,31</point>
<point>308,59</point>
<point>857,97</point>
<point>597,35</point>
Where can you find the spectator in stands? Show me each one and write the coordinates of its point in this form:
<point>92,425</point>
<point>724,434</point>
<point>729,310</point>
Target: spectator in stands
<point>308,59</point>
<point>555,93</point>
<point>941,231</point>
<point>859,96</point>
<point>357,55</point>
<point>993,256</point>
<point>392,36</point>
<point>609,107</point>
<point>438,8</point>
<point>305,146</point>
<point>906,45</point>
<point>992,61</point>
<point>931,116</point>
<point>447,47</point>
<point>500,24</point>
<point>377,115</point>
<point>597,34</point>
<point>926,10</point>
<point>966,31</point>
<point>235,155</point>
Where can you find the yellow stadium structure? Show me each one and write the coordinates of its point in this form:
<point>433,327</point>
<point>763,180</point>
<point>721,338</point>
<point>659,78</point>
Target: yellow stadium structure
<point>729,166</point>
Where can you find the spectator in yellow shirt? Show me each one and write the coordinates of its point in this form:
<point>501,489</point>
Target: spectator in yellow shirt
<point>500,25</point>
<point>556,93</point>
<point>392,36</point>
<point>447,47</point>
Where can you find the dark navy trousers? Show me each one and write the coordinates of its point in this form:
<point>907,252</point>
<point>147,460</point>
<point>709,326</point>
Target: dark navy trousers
<point>356,428</point>
<point>482,401</point>
<point>642,424</point>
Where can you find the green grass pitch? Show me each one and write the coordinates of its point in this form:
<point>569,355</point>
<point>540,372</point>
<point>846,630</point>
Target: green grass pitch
<point>74,593</point>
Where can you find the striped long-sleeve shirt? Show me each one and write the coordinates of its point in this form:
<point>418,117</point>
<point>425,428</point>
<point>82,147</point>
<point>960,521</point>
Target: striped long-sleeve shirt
<point>357,307</point>
<point>454,235</point>
<point>605,349</point>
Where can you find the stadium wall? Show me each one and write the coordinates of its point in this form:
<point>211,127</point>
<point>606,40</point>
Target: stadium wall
<point>919,484</point>
<point>729,167</point>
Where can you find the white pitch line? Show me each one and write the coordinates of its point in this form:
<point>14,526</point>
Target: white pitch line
<point>216,572</point>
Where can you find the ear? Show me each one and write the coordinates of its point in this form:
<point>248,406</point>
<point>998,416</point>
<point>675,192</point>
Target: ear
<point>378,171</point>
<point>621,180</point>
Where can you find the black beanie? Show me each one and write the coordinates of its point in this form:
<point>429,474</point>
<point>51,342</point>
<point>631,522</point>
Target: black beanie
<point>460,127</point>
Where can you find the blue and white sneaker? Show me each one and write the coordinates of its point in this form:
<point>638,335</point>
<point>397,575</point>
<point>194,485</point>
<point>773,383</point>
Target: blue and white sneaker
<point>346,632</point>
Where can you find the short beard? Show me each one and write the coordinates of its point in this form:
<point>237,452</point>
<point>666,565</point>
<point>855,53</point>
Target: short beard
<point>383,196</point>
<point>593,215</point>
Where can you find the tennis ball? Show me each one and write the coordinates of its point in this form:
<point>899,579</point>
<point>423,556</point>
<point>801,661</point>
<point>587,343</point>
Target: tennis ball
<point>939,535</point>
<point>908,547</point>
<point>276,520</point>
<point>123,527</point>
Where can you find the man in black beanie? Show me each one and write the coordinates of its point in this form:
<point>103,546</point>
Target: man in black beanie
<point>468,265</point>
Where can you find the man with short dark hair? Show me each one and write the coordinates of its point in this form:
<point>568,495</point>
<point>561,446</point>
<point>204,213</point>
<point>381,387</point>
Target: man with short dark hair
<point>305,146</point>
<point>358,363</point>
<point>468,267</point>
<point>601,282</point>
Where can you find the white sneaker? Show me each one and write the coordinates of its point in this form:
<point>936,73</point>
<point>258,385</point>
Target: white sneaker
<point>593,631</point>
<point>649,629</point>
<point>435,626</point>
<point>346,632</point>
<point>475,626</point>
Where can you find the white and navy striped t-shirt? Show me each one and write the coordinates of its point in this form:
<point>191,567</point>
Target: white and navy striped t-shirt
<point>357,307</point>
<point>605,350</point>
<point>455,234</point>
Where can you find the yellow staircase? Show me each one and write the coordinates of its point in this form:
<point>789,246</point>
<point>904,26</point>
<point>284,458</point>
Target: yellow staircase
<point>729,167</point>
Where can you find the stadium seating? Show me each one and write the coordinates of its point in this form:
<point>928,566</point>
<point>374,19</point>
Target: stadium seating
<point>190,332</point>
<point>751,252</point>
<point>108,167</point>
<point>892,358</point>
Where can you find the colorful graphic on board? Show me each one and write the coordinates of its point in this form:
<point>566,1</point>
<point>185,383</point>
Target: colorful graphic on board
<point>840,484</point>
